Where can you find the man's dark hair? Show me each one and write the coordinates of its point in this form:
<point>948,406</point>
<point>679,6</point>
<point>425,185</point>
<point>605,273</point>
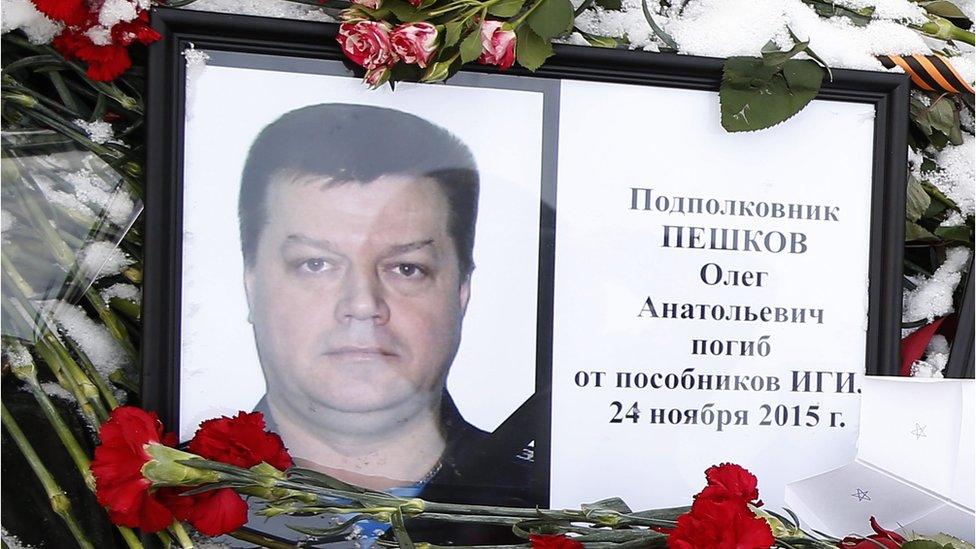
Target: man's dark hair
<point>360,143</point>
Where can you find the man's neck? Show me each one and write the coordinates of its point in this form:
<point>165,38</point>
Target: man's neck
<point>394,448</point>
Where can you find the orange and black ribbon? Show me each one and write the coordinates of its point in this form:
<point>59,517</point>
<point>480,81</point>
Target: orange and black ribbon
<point>929,72</point>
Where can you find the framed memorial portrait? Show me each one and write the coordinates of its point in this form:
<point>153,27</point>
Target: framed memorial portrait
<point>514,288</point>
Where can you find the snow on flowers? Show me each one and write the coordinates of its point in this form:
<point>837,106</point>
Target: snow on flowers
<point>99,32</point>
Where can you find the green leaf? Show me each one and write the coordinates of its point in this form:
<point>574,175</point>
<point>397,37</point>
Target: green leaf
<point>917,201</point>
<point>551,18</point>
<point>604,41</point>
<point>613,504</point>
<point>404,11</point>
<point>950,541</point>
<point>827,8</point>
<point>944,8</point>
<point>958,233</point>
<point>771,54</point>
<point>914,231</point>
<point>755,95</point>
<point>531,51</point>
<point>471,47</point>
<point>452,33</point>
<point>506,8</point>
<point>942,115</point>
<point>921,544</point>
<point>609,4</point>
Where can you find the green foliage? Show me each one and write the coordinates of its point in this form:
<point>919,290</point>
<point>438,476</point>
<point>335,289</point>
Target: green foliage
<point>827,8</point>
<point>506,8</point>
<point>405,12</point>
<point>935,120</point>
<point>609,4</point>
<point>471,47</point>
<point>757,93</point>
<point>551,18</point>
<point>917,200</point>
<point>531,50</point>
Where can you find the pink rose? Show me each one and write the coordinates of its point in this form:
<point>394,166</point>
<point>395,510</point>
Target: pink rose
<point>377,77</point>
<point>415,43</point>
<point>367,43</point>
<point>371,4</point>
<point>497,45</point>
<point>415,3</point>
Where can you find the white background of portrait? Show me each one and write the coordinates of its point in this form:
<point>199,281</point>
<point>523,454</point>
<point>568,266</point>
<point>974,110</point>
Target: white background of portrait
<point>494,371</point>
<point>610,259</point>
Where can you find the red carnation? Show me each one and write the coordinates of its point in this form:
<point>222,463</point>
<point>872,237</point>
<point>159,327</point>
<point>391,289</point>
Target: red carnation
<point>214,513</point>
<point>729,481</point>
<point>725,524</point>
<point>105,63</point>
<point>120,486</point>
<point>137,30</point>
<point>241,441</point>
<point>69,12</point>
<point>886,538</point>
<point>540,541</point>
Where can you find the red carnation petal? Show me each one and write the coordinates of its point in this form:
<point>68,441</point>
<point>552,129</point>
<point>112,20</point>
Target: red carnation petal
<point>540,541</point>
<point>106,63</point>
<point>241,440</point>
<point>218,512</point>
<point>70,12</point>
<point>893,536</point>
<point>117,467</point>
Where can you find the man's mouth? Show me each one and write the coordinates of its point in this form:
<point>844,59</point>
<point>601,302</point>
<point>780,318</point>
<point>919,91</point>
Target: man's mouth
<point>353,352</point>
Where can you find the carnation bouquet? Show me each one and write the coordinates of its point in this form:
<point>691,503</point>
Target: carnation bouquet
<point>145,482</point>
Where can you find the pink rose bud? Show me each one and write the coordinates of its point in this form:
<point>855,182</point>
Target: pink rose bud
<point>371,4</point>
<point>377,77</point>
<point>415,3</point>
<point>415,43</point>
<point>367,43</point>
<point>497,45</point>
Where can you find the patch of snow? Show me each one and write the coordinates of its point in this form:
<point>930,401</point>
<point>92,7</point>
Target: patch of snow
<point>896,10</point>
<point>196,62</point>
<point>23,15</point>
<point>122,291</point>
<point>628,22</point>
<point>7,221</point>
<point>57,391</point>
<point>114,203</point>
<point>93,338</point>
<point>267,8</point>
<point>100,259</point>
<point>116,11</point>
<point>956,177</point>
<point>98,131</point>
<point>932,297</point>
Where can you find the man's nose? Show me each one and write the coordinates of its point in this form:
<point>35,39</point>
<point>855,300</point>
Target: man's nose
<point>362,298</point>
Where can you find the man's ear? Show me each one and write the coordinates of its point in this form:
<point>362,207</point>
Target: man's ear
<point>249,291</point>
<point>464,293</point>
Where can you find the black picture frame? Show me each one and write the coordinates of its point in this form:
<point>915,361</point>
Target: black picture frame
<point>888,93</point>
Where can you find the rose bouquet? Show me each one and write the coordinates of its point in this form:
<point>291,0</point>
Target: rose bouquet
<point>429,40</point>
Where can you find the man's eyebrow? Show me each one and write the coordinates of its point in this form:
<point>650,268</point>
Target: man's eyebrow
<point>409,246</point>
<point>309,241</point>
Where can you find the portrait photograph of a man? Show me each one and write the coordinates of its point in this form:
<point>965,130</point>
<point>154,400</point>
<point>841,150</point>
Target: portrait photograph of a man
<point>365,265</point>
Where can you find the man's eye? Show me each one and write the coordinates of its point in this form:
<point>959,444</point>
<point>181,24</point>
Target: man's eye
<point>409,270</point>
<point>314,265</point>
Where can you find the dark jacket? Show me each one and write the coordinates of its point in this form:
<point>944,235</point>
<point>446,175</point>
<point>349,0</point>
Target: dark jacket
<point>476,468</point>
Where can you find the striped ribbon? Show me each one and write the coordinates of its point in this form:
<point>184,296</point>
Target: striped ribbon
<point>929,72</point>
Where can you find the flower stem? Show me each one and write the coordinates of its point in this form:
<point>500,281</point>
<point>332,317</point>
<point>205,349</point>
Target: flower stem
<point>181,535</point>
<point>59,500</point>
